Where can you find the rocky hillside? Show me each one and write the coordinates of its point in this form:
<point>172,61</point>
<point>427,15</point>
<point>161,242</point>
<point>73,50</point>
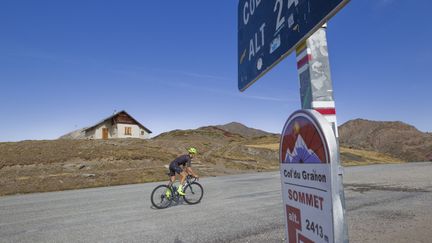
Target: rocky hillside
<point>394,138</point>
<point>34,166</point>
<point>223,148</point>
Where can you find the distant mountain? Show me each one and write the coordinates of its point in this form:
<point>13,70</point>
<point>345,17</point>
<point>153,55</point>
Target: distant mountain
<point>244,131</point>
<point>232,131</point>
<point>395,138</point>
<point>213,133</point>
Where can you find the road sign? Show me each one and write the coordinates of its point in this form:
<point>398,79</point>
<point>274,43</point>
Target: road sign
<point>269,30</point>
<point>309,166</point>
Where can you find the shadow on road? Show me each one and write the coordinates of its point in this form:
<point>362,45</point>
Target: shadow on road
<point>173,204</point>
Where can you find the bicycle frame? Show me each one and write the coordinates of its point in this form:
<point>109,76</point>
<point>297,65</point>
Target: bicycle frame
<point>188,181</point>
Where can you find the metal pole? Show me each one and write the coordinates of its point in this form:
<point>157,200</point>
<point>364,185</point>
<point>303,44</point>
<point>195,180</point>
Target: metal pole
<point>316,91</point>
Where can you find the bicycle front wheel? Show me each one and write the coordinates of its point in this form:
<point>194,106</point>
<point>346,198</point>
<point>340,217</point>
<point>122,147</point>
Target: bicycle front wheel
<point>193,193</point>
<point>161,197</point>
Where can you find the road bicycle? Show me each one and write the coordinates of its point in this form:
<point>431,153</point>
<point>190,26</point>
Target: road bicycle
<point>163,195</point>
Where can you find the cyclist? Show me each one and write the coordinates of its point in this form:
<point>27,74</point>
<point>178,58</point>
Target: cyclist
<point>174,167</point>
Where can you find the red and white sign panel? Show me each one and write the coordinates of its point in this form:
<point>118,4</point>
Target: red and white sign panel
<point>306,151</point>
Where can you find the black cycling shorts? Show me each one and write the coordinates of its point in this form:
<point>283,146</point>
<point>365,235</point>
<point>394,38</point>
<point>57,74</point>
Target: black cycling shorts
<point>174,169</point>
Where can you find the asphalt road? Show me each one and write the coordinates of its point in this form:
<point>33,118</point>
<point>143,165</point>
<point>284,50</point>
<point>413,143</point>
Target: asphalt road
<point>385,203</point>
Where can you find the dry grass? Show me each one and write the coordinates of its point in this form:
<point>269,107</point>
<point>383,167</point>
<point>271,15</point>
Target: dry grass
<point>349,157</point>
<point>352,157</point>
<point>271,146</point>
<point>77,174</point>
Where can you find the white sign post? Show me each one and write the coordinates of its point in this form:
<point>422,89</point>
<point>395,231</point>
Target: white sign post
<point>308,165</point>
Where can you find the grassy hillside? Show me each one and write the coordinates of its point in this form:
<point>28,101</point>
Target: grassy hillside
<point>36,166</point>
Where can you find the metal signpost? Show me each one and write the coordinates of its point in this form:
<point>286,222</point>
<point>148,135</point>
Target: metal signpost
<point>269,30</point>
<point>311,175</point>
<point>316,92</point>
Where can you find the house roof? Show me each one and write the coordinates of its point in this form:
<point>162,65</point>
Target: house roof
<point>116,114</point>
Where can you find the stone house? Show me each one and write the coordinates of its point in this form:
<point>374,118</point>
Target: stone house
<point>119,125</point>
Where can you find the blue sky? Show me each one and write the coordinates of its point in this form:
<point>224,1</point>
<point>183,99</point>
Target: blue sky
<point>173,65</point>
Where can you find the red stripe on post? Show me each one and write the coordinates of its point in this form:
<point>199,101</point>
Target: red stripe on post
<point>304,60</point>
<point>326,111</point>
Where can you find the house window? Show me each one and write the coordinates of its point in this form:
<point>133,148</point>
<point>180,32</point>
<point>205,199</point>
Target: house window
<point>128,130</point>
<point>142,133</point>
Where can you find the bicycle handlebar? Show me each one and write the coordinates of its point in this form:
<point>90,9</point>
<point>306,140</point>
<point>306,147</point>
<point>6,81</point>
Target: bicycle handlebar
<point>191,178</point>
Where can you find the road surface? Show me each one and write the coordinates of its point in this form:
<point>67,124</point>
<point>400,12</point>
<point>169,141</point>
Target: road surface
<point>385,203</point>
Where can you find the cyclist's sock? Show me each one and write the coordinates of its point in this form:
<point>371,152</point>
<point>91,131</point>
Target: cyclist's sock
<point>180,190</point>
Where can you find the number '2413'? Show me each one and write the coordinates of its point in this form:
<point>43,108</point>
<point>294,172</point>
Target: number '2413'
<point>314,227</point>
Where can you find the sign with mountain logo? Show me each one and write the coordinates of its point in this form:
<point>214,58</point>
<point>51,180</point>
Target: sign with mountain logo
<point>308,153</point>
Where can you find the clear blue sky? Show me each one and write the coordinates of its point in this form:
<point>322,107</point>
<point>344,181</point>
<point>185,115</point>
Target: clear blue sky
<point>173,65</point>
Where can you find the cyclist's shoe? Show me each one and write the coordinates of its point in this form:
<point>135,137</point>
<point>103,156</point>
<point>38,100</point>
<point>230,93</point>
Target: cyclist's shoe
<point>168,193</point>
<point>180,191</point>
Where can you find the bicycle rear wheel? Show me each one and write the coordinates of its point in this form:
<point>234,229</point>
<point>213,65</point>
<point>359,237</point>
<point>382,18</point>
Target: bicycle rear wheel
<point>193,193</point>
<point>161,197</point>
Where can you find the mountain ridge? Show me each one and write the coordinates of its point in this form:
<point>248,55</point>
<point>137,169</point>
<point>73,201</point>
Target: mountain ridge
<point>397,138</point>
<point>243,130</point>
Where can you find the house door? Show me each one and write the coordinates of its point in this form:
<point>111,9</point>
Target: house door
<point>104,133</point>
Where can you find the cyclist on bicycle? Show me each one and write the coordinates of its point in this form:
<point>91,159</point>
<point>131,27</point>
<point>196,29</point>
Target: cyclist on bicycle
<point>174,167</point>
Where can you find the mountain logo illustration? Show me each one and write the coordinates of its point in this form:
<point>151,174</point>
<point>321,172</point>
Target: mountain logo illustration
<point>301,153</point>
<point>303,142</point>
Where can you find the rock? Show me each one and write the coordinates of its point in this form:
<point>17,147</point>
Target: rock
<point>89,175</point>
<point>81,167</point>
<point>69,167</point>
